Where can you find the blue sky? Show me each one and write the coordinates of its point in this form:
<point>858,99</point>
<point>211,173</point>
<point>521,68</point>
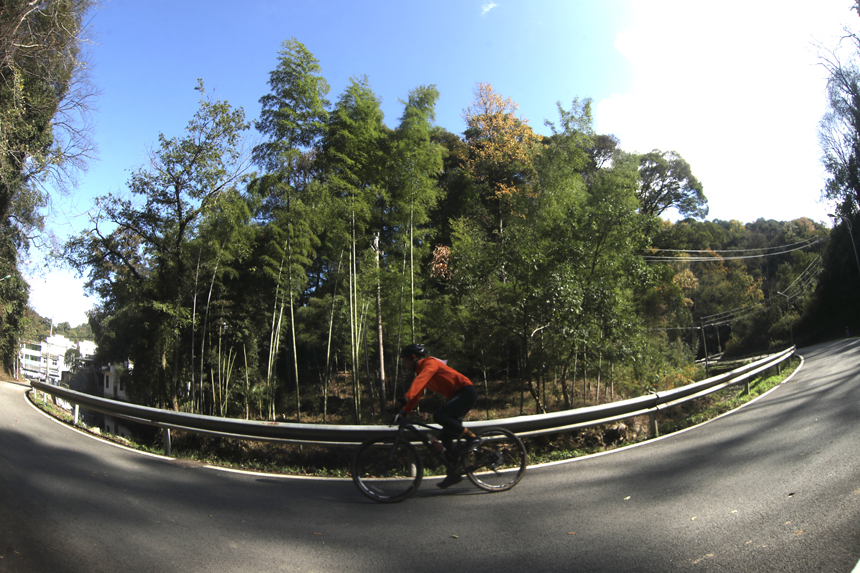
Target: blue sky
<point>732,86</point>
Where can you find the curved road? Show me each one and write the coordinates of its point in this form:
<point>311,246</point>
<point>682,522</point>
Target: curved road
<point>774,486</point>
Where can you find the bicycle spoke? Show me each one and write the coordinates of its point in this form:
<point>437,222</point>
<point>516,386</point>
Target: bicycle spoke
<point>497,461</point>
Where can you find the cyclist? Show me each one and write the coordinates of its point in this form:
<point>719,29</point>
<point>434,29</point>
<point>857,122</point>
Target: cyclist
<point>434,374</point>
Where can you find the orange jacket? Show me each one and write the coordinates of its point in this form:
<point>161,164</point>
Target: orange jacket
<point>435,375</point>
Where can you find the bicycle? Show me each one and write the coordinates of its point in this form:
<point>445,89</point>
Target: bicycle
<point>389,469</point>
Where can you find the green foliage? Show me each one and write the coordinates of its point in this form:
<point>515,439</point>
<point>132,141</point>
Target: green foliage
<point>44,98</point>
<point>833,311</point>
<point>839,130</point>
<point>295,112</point>
<point>522,259</point>
<point>734,279</point>
<point>667,181</point>
<point>138,256</point>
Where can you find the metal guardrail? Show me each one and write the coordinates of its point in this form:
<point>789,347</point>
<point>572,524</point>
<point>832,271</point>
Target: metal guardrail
<point>342,435</point>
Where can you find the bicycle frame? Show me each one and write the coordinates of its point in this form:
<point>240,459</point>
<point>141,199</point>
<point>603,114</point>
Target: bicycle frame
<point>412,427</point>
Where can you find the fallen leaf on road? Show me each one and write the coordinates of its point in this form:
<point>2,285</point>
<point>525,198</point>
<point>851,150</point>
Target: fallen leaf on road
<point>571,533</point>
<point>626,498</point>
<point>455,536</point>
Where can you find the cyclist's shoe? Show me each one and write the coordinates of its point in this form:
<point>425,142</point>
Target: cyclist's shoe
<point>468,437</point>
<point>450,479</point>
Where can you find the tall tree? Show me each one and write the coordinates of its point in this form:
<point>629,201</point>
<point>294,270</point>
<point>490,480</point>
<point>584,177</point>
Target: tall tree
<point>45,96</point>
<point>352,159</point>
<point>223,242</point>
<point>502,147</point>
<point>415,163</point>
<point>667,181</point>
<point>839,129</point>
<point>295,112</point>
<point>136,255</point>
<point>294,117</point>
<point>45,136</point>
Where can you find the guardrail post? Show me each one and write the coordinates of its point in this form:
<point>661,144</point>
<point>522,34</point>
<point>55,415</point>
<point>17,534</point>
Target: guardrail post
<point>653,425</point>
<point>166,433</point>
<point>77,412</point>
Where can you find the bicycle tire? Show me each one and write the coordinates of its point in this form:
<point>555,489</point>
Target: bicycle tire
<point>497,461</point>
<point>385,471</point>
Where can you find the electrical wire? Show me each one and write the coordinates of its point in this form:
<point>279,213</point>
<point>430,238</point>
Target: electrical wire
<point>811,240</point>
<point>795,247</point>
<point>803,281</point>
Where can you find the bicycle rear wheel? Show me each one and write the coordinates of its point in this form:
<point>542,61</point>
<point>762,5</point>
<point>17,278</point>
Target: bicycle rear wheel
<point>497,460</point>
<point>386,470</point>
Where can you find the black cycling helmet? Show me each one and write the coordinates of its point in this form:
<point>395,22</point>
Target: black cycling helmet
<point>413,349</point>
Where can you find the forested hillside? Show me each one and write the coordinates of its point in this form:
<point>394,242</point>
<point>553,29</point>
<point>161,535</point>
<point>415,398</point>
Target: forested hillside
<point>38,328</point>
<point>536,260</point>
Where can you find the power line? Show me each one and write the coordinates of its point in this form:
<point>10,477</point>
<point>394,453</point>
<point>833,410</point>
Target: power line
<point>811,240</point>
<point>785,250</point>
<point>808,275</point>
<point>727,313</point>
<point>806,278</point>
<point>729,320</point>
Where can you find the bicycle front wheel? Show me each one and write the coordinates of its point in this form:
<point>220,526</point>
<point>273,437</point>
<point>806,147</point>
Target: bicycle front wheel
<point>497,460</point>
<point>387,470</point>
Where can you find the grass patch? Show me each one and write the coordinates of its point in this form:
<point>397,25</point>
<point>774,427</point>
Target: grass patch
<point>716,404</point>
<point>47,405</point>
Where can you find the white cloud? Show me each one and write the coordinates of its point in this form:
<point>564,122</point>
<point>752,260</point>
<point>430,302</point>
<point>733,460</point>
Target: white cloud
<point>487,7</point>
<point>735,89</point>
<point>58,295</point>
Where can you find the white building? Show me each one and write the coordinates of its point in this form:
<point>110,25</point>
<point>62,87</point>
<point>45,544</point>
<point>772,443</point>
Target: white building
<point>87,348</point>
<point>30,360</point>
<point>46,360</point>
<point>114,387</point>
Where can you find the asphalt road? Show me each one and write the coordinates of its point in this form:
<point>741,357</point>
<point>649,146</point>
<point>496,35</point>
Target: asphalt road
<point>774,486</point>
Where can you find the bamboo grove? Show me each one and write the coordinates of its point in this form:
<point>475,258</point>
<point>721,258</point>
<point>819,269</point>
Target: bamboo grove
<point>253,281</point>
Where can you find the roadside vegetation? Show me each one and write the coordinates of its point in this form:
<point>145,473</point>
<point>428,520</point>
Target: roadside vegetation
<point>311,460</point>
